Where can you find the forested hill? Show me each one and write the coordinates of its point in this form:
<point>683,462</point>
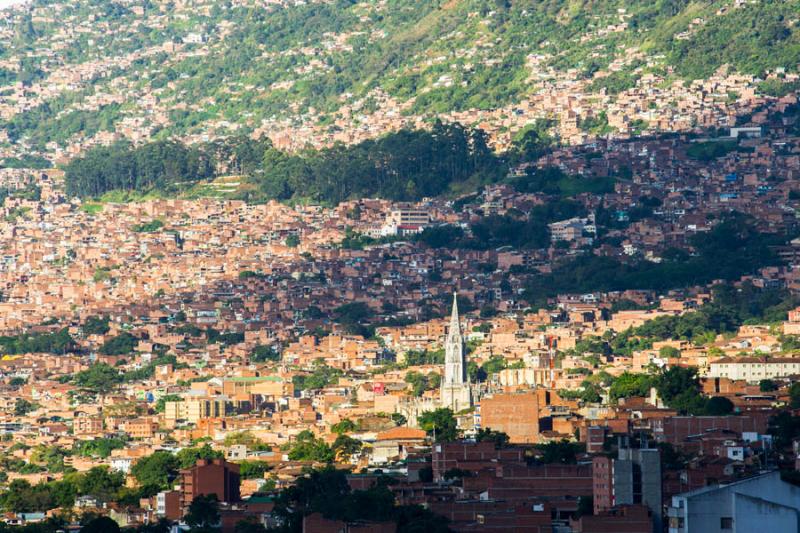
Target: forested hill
<point>406,165</point>
<point>73,70</point>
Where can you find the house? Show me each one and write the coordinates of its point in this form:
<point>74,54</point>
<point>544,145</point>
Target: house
<point>394,444</point>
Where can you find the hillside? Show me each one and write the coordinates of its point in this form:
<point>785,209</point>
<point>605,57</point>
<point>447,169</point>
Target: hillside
<point>74,71</point>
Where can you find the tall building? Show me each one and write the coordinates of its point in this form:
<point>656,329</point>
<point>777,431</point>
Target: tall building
<point>455,391</point>
<point>206,477</point>
<point>633,478</point>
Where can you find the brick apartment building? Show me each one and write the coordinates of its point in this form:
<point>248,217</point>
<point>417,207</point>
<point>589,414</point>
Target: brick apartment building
<point>517,415</point>
<point>216,476</point>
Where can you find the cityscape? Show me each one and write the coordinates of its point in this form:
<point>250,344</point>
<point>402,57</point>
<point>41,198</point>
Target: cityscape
<point>399,266</point>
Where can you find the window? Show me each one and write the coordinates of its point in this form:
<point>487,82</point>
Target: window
<point>726,522</point>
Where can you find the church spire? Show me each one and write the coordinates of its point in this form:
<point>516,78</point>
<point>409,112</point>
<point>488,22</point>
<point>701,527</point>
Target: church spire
<point>455,322</point>
<point>455,392</point>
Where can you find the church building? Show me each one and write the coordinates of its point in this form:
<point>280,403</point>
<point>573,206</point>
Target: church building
<point>455,392</point>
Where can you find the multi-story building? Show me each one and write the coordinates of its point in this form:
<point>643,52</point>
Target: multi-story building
<point>168,504</point>
<point>216,476</point>
<point>634,477</point>
<point>754,369</point>
<point>85,424</point>
<point>405,221</point>
<point>141,428</point>
<point>195,409</point>
<point>517,415</point>
<point>761,503</point>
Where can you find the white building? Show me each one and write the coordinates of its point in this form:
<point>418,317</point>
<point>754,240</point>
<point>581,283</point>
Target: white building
<point>572,229</point>
<point>754,369</point>
<point>405,221</point>
<point>121,464</point>
<point>762,503</point>
<point>455,391</point>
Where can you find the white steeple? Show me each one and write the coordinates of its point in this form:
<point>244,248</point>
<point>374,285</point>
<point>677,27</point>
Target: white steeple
<point>455,391</point>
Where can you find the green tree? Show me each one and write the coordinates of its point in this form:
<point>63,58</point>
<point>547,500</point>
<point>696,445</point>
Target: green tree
<point>627,385</point>
<point>100,448</point>
<point>559,452</point>
<point>122,344</point>
<point>203,513</point>
<point>99,379</point>
<point>718,406</point>
<point>679,388</point>
<point>345,447</point>
<point>96,325</point>
<point>345,426</point>
<point>162,401</point>
<point>794,395</point>
<point>101,483</point>
<point>101,524</point>
<point>499,438</point>
<point>784,427</point>
<point>22,407</point>
<point>157,469</point>
<point>188,457</point>
<point>351,316</point>
<point>669,352</point>
<point>767,385</point>
<point>399,419</point>
<point>440,424</point>
<point>253,469</point>
<point>246,438</point>
<point>306,447</point>
<point>262,353</point>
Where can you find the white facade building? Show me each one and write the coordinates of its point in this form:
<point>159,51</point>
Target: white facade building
<point>762,504</point>
<point>754,369</point>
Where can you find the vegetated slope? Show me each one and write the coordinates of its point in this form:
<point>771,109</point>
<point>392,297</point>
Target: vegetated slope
<point>220,67</point>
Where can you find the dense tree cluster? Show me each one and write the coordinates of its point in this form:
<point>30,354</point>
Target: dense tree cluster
<point>158,470</point>
<point>730,249</point>
<point>404,165</point>
<point>320,377</point>
<point>59,342</point>
<point>20,496</point>
<point>161,165</point>
<point>327,491</point>
<point>523,230</point>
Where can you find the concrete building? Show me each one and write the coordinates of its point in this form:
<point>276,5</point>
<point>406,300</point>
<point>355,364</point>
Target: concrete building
<point>631,479</point>
<point>572,229</point>
<point>762,503</point>
<point>405,221</point>
<point>195,409</point>
<point>754,369</point>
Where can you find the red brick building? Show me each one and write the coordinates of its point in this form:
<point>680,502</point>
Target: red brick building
<point>624,519</point>
<point>217,477</point>
<point>676,429</point>
<point>517,415</point>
